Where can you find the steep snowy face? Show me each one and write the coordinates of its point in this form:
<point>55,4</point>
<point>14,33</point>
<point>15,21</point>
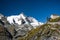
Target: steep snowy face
<point>15,19</point>
<point>33,21</point>
<point>22,19</point>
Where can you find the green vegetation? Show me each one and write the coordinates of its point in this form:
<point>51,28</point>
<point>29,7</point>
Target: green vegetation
<point>46,30</point>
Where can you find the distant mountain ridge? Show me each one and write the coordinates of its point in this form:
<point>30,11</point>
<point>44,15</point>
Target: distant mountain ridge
<point>21,19</point>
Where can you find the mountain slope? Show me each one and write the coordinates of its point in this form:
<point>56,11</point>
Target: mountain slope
<point>18,25</point>
<point>21,27</point>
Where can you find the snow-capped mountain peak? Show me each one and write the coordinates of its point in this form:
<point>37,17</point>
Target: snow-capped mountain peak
<point>22,19</point>
<point>22,15</point>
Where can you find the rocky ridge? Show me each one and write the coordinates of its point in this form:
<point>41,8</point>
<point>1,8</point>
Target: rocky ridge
<point>25,31</point>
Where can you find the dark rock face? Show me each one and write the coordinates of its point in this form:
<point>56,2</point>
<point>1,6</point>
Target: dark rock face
<point>4,34</point>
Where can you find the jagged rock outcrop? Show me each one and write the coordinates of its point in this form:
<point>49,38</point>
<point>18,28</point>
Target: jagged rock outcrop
<point>4,34</point>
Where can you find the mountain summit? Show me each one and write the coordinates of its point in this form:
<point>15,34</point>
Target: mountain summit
<point>22,19</point>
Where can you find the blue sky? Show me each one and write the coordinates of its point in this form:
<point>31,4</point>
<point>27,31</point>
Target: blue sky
<point>39,9</point>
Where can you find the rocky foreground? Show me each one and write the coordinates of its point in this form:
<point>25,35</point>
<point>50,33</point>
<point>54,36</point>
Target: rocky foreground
<point>48,31</point>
